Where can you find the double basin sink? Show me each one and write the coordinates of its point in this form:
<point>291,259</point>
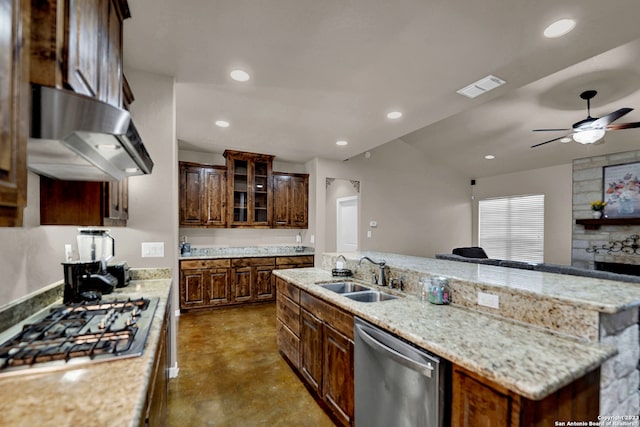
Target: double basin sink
<point>358,292</point>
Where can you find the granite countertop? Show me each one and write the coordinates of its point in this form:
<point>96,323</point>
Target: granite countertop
<point>246,252</point>
<point>605,296</point>
<point>527,360</point>
<point>109,393</point>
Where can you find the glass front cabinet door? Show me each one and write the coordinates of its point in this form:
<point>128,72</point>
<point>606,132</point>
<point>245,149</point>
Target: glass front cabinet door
<point>249,189</point>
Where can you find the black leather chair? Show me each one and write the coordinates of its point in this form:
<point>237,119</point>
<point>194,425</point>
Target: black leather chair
<point>470,252</point>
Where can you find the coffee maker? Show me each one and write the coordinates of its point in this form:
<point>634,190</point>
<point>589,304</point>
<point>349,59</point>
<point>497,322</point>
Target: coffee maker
<point>88,278</point>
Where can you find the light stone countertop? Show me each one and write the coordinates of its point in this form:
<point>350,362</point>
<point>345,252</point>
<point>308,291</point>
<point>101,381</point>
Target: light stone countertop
<point>245,252</point>
<point>527,360</point>
<point>109,393</point>
<point>605,296</point>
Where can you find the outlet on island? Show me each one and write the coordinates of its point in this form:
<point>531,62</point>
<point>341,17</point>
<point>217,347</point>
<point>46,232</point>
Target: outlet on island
<point>488,300</point>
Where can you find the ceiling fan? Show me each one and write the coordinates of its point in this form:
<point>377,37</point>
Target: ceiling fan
<point>591,129</point>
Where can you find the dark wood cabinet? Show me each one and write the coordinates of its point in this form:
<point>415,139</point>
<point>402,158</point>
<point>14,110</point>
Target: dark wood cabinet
<point>326,355</point>
<point>290,200</point>
<point>84,202</point>
<point>14,105</point>
<point>155,408</point>
<point>249,189</point>
<point>77,44</point>
<point>476,401</point>
<point>205,283</point>
<point>208,283</point>
<point>311,350</point>
<point>337,368</point>
<point>202,195</point>
<point>288,321</point>
<point>252,281</point>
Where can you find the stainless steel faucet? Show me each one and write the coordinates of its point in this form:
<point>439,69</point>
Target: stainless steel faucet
<point>382,279</point>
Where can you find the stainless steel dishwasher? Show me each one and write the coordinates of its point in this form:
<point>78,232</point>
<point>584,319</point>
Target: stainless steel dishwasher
<point>396,383</point>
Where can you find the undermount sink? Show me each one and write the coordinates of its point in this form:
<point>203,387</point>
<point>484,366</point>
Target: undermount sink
<point>370,296</point>
<point>345,287</point>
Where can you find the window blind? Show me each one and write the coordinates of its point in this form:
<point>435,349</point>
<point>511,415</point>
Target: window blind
<point>512,228</point>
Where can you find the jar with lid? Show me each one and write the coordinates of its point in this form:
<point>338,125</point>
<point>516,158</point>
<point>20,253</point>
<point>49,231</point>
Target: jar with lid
<point>439,292</point>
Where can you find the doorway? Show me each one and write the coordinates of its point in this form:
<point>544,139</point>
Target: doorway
<point>347,224</point>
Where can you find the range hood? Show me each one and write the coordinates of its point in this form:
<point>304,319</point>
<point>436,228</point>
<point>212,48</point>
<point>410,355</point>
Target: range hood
<point>78,138</point>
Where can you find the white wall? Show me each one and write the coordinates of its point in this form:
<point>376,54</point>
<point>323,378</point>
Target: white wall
<point>555,183</point>
<point>421,207</point>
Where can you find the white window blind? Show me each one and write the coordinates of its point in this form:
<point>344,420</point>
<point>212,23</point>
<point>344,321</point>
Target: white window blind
<point>512,227</point>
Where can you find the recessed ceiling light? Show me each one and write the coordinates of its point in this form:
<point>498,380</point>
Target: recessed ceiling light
<point>341,142</point>
<point>240,75</point>
<point>394,115</point>
<point>222,123</point>
<point>565,140</point>
<point>489,157</point>
<point>559,28</point>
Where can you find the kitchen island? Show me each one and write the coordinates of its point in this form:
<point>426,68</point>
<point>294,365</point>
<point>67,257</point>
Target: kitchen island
<point>544,335</point>
<point>108,393</point>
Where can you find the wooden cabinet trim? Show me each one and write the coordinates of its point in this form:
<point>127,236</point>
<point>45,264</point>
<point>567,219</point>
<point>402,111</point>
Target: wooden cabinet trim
<point>205,263</point>
<point>289,290</point>
<point>340,320</point>
<point>295,260</point>
<point>253,262</point>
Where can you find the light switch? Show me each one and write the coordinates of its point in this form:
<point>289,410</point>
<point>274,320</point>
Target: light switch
<point>152,250</point>
<point>373,224</point>
<point>369,233</point>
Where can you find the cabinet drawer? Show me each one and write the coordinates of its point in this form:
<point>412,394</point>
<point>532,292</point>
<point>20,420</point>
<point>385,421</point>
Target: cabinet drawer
<point>204,263</point>
<point>288,343</point>
<point>286,288</point>
<point>340,320</point>
<point>288,313</point>
<point>253,262</point>
<point>294,260</point>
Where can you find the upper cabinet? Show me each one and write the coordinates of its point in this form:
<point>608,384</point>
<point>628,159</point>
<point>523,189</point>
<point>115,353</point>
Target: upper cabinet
<point>203,192</point>
<point>84,203</point>
<point>249,189</point>
<point>243,194</point>
<point>14,104</point>
<point>77,44</point>
<point>290,200</point>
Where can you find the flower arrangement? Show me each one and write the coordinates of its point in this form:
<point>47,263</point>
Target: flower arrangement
<point>598,205</point>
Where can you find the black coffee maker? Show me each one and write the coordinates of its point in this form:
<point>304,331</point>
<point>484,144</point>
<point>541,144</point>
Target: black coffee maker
<point>88,279</point>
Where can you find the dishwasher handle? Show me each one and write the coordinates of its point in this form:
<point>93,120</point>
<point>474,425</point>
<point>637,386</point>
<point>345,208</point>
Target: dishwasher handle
<point>424,369</point>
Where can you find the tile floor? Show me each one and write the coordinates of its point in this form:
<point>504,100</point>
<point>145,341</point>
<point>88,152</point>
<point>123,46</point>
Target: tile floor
<point>231,373</point>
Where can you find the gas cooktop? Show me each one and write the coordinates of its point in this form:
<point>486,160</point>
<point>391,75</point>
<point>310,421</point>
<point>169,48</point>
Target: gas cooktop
<point>72,334</point>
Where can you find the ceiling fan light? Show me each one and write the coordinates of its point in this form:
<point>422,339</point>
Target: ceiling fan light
<point>588,136</point>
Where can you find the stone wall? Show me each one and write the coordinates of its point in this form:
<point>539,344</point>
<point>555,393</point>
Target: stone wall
<point>620,377</point>
<point>587,187</point>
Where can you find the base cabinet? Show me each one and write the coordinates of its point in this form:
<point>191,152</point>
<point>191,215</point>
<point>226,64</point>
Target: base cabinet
<point>476,401</point>
<point>208,283</point>
<point>155,409</point>
<point>324,355</point>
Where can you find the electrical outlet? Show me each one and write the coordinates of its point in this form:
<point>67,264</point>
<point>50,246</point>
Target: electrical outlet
<point>369,234</point>
<point>312,240</point>
<point>152,250</point>
<point>488,300</point>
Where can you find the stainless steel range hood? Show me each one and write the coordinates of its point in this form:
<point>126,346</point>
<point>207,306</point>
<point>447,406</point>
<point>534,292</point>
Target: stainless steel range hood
<point>78,138</point>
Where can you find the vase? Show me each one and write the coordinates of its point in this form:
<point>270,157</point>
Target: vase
<point>596,214</point>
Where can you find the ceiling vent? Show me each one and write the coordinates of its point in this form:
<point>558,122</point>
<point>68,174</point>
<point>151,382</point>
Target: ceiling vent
<point>481,86</point>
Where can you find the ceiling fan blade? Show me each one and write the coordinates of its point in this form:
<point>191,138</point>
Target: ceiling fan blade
<point>620,126</point>
<point>611,117</point>
<point>546,142</point>
<point>550,130</point>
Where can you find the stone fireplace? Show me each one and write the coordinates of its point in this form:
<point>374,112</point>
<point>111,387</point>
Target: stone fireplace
<point>603,246</point>
<point>587,187</point>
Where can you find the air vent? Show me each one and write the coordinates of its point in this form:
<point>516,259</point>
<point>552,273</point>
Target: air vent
<point>481,86</point>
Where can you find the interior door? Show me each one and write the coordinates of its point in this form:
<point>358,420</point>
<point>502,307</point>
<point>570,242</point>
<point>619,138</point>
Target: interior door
<point>347,224</point>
